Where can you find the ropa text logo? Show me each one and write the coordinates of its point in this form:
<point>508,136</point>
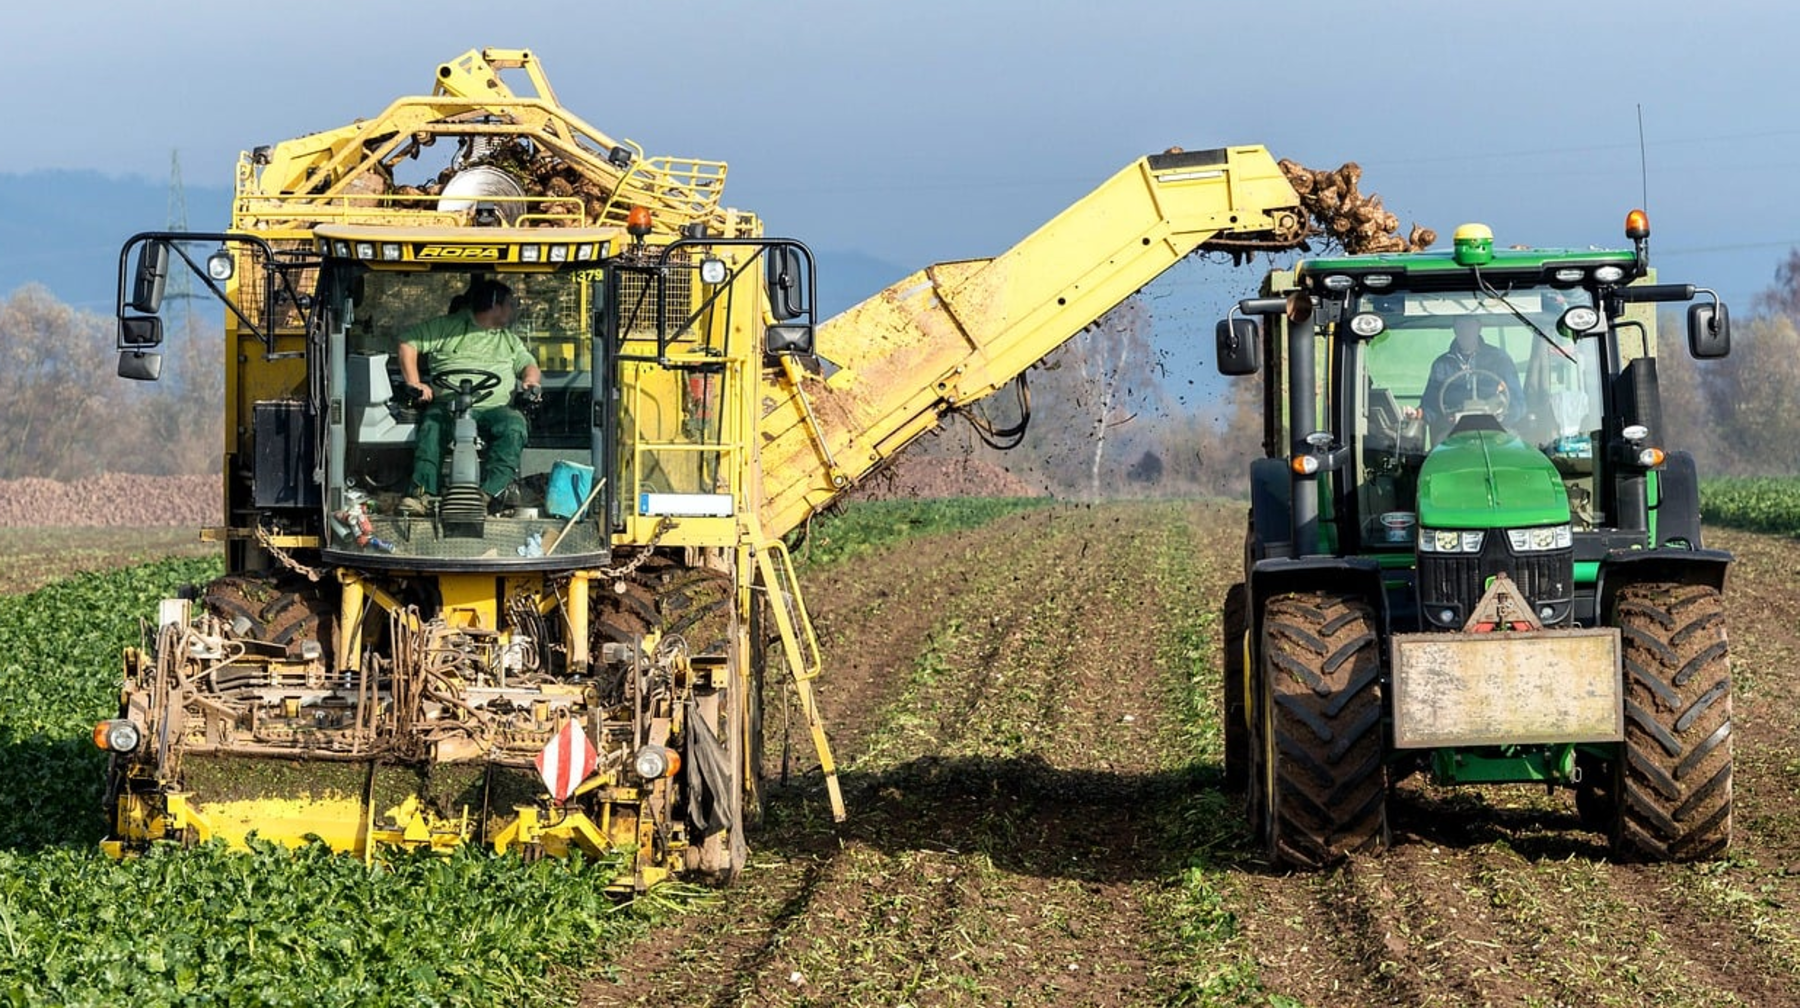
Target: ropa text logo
<point>459,252</point>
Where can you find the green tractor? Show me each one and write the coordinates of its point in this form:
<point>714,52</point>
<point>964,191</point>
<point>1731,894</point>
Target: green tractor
<point>1469,554</point>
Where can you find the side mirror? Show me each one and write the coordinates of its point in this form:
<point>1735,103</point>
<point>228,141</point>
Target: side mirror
<point>788,339</point>
<point>148,280</point>
<point>1709,330</point>
<point>1239,346</point>
<point>140,332</point>
<point>139,365</point>
<point>786,278</point>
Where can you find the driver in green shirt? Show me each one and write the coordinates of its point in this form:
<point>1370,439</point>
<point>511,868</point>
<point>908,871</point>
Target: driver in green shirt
<point>476,337</point>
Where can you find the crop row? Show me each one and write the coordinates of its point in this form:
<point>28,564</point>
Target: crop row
<point>210,926</point>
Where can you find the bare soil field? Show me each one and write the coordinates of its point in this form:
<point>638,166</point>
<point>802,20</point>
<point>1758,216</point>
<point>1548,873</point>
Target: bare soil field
<point>51,529</point>
<point>1032,824</point>
<point>1025,716</point>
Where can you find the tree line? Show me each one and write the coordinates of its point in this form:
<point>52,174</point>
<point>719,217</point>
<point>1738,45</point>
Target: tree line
<point>1106,419</point>
<point>70,416</point>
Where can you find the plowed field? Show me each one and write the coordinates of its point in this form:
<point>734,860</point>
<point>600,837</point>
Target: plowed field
<point>1026,718</point>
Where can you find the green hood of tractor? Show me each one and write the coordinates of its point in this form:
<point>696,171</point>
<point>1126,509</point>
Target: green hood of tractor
<point>1489,479</point>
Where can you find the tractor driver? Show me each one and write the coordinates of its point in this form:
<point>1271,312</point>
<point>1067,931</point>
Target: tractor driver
<point>1471,369</point>
<point>476,336</point>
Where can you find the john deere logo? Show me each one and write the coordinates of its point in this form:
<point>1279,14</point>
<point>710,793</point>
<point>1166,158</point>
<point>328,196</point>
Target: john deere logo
<point>463,252</point>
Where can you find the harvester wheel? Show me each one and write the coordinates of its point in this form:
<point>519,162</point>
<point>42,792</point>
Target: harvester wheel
<point>1674,782</point>
<point>280,609</point>
<point>1234,623</point>
<point>1326,787</point>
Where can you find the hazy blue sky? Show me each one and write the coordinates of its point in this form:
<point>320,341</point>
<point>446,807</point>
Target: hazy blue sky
<point>934,130</point>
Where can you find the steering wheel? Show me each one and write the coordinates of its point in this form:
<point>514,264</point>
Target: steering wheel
<point>1495,405</point>
<point>481,391</point>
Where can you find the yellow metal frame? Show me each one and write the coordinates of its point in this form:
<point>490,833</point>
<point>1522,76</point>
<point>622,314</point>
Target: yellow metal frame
<point>954,333</point>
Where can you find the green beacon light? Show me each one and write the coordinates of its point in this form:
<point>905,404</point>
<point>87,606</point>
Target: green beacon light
<point>1474,245</point>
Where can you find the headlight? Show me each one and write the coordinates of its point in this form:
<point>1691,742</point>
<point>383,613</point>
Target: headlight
<point>118,735</point>
<point>1450,540</point>
<point>1367,324</point>
<point>1539,540</point>
<point>654,762</point>
<point>1609,274</point>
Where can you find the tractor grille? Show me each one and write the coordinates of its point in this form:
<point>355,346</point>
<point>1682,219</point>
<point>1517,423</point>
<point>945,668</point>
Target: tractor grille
<point>1456,581</point>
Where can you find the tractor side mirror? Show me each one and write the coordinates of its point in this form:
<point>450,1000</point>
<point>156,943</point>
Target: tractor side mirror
<point>148,279</point>
<point>1709,330</point>
<point>1239,346</point>
<point>786,279</point>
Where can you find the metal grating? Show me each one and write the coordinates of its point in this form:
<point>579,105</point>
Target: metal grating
<point>1460,579</point>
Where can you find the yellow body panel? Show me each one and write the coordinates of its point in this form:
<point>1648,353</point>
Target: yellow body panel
<point>955,332</point>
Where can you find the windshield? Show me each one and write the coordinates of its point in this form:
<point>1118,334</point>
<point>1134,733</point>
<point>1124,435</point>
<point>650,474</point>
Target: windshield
<point>1447,355</point>
<point>505,482</point>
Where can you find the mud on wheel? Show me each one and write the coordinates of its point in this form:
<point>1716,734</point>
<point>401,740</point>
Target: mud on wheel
<point>278,608</point>
<point>1673,785</point>
<point>1323,784</point>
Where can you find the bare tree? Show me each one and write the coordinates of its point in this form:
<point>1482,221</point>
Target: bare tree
<point>71,417</point>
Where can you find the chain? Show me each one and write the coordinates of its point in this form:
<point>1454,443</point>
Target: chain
<point>631,566</point>
<point>263,540</point>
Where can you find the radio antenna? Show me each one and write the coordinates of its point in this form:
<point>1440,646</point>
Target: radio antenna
<point>1643,162</point>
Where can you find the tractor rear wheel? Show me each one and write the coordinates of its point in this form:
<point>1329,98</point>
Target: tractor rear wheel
<point>1234,623</point>
<point>1674,780</point>
<point>1319,706</point>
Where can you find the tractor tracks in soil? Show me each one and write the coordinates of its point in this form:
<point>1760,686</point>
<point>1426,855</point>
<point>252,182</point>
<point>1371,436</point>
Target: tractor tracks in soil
<point>1004,706</point>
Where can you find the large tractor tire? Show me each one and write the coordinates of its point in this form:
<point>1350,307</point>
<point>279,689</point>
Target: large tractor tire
<point>1323,777</point>
<point>1673,790</point>
<point>1234,623</point>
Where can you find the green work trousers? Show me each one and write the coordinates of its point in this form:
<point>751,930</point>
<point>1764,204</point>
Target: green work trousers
<point>502,429</point>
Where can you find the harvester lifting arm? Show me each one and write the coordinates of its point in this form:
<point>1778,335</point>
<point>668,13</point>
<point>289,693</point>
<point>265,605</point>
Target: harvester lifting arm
<point>954,333</point>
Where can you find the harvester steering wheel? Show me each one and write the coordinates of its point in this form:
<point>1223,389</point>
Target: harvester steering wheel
<point>481,391</point>
<point>1495,405</point>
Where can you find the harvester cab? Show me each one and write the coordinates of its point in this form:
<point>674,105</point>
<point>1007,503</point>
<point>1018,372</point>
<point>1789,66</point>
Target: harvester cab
<point>1449,436</point>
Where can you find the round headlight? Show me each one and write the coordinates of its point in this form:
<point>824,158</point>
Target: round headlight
<point>1367,324</point>
<point>118,735</point>
<point>651,762</point>
<point>219,265</point>
<point>1577,320</point>
<point>712,271</point>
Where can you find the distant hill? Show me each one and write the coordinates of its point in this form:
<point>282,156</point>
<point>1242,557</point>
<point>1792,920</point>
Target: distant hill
<point>63,229</point>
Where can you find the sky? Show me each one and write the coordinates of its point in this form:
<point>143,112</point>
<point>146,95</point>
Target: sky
<point>945,129</point>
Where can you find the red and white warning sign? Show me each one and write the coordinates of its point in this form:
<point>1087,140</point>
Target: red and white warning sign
<point>566,761</point>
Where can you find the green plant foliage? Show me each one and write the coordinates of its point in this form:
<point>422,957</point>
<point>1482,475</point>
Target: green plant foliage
<point>59,674</point>
<point>211,926</point>
<point>1755,504</point>
<point>867,525</point>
